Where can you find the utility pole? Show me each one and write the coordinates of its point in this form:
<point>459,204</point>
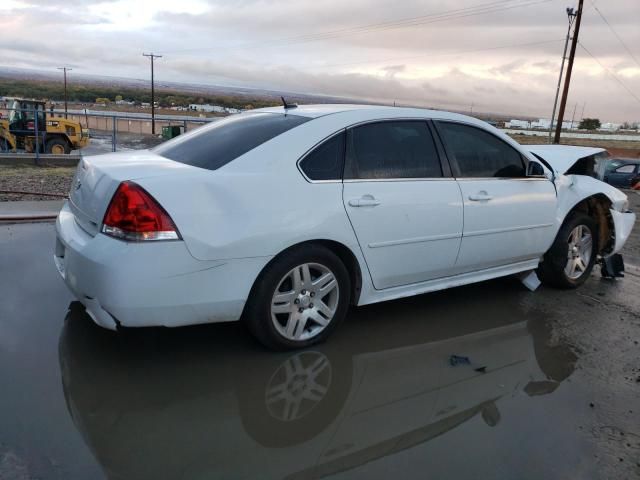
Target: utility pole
<point>567,80</point>
<point>153,97</point>
<point>571,15</point>
<point>574,114</point>
<point>65,70</point>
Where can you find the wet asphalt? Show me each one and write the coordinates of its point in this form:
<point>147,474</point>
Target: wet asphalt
<point>551,389</point>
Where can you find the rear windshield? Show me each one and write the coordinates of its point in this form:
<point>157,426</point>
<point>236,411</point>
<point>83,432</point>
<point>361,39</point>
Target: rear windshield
<point>221,142</point>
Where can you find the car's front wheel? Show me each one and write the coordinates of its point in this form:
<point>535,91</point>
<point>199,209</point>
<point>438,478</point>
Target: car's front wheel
<point>569,261</point>
<point>299,299</point>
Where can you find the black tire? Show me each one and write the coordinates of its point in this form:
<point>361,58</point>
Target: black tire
<point>257,314</point>
<point>552,269</point>
<point>59,142</point>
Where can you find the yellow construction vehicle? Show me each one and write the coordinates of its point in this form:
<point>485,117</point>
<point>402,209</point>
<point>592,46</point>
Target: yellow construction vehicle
<point>28,127</point>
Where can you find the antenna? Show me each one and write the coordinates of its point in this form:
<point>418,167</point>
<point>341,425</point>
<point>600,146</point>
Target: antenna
<point>288,105</point>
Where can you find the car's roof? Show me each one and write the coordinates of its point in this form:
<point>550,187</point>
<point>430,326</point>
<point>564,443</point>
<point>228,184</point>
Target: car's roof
<point>372,111</point>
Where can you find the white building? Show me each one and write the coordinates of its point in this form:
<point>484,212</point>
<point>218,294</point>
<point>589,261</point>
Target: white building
<point>518,124</point>
<point>196,107</point>
<point>540,124</point>
<point>609,127</point>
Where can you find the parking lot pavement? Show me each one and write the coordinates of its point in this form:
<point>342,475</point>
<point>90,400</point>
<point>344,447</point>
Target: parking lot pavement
<point>551,388</point>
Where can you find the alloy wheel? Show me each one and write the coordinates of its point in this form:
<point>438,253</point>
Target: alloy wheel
<point>305,301</point>
<point>580,243</point>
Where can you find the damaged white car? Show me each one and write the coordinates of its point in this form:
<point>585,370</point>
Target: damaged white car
<point>284,217</point>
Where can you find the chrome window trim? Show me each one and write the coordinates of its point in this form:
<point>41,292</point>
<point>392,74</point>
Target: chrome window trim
<point>305,154</point>
<point>410,179</point>
<point>519,179</point>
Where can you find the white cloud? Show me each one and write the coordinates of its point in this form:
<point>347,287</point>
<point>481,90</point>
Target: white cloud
<point>498,61</point>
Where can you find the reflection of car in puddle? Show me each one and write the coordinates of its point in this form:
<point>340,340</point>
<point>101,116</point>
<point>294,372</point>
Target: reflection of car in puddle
<point>159,406</point>
<point>298,385</point>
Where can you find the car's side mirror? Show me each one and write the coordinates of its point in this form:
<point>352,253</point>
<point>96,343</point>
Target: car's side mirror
<point>534,169</point>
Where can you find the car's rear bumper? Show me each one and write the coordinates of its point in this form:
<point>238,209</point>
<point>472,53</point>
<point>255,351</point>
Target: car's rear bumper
<point>623,224</point>
<point>149,284</point>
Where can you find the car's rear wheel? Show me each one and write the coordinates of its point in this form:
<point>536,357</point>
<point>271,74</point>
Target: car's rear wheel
<point>569,261</point>
<point>299,299</point>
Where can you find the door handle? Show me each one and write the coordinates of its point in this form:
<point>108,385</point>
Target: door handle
<point>364,201</point>
<point>480,197</point>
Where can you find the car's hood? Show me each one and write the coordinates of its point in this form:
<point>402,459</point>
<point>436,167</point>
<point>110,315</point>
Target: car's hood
<point>563,157</point>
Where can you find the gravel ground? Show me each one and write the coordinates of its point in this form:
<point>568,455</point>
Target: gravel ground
<point>54,180</point>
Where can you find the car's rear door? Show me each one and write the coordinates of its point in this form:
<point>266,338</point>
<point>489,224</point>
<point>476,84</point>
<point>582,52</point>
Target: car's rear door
<point>508,217</point>
<point>405,208</point>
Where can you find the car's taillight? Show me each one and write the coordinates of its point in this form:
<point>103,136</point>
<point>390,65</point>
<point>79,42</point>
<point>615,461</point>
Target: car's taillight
<point>134,215</point>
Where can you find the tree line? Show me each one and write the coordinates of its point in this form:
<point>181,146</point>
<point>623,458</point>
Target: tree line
<point>88,93</point>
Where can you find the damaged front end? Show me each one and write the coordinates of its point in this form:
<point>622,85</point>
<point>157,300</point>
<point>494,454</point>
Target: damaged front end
<point>577,174</point>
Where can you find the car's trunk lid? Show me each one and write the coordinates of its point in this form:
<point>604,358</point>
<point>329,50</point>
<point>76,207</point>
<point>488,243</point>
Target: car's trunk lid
<point>97,178</point>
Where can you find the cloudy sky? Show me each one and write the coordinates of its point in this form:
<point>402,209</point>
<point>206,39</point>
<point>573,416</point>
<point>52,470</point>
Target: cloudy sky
<point>489,55</point>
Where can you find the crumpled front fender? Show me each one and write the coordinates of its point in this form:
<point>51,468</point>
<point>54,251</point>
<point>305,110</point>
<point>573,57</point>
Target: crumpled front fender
<point>623,224</point>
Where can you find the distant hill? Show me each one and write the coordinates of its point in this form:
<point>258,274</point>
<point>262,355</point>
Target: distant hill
<point>84,88</point>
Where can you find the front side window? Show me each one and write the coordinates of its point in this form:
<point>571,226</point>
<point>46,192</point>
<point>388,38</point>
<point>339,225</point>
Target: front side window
<point>325,161</point>
<point>223,141</point>
<point>394,149</point>
<point>626,169</point>
<point>479,153</point>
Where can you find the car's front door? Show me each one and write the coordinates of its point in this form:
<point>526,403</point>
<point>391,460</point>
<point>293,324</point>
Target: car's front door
<point>508,217</point>
<point>406,210</point>
<point>622,175</point>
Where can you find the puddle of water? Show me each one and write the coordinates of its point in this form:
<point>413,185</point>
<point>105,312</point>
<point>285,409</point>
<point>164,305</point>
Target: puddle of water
<point>210,402</point>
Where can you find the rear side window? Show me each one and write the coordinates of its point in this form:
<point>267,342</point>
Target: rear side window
<point>223,141</point>
<point>479,153</point>
<point>395,149</point>
<point>325,162</point>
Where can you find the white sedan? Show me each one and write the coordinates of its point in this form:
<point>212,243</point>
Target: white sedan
<point>285,217</point>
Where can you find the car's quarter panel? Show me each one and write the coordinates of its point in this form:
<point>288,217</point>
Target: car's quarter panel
<point>413,234</point>
<point>514,222</point>
<point>97,178</point>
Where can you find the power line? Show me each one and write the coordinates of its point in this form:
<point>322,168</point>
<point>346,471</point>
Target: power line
<point>480,9</point>
<point>611,73</point>
<point>615,33</point>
